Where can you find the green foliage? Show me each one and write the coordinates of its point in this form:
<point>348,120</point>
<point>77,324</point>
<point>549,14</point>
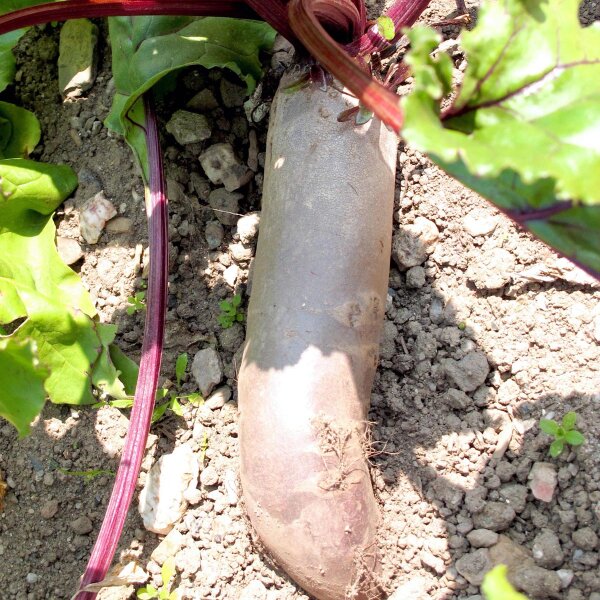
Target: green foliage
<point>19,131</point>
<point>563,434</point>
<point>230,312</point>
<point>496,586</point>
<point>88,476</point>
<point>523,128</point>
<point>386,28</point>
<point>136,303</point>
<point>149,592</point>
<point>146,49</point>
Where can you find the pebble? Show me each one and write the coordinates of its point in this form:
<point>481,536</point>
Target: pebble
<point>162,502</point>
<point>82,525</point>
<point>230,483</point>
<point>222,167</point>
<point>480,222</point>
<point>188,127</point>
<point>32,578</point>
<point>415,277</point>
<point>482,538</point>
<point>240,252</point>
<point>169,546</point>
<point>78,59</point>
<point>469,372</point>
<point>218,398</point>
<point>69,250</point>
<point>566,577</point>
<point>188,559</point>
<point>491,269</point>
<point>207,370</point>
<point>255,590</point>
<point>230,275</point>
<point>417,588</point>
<point>119,225</point>
<point>435,563</point>
<point>94,215</point>
<point>209,477</point>
<point>226,205</point>
<point>214,234</point>
<point>232,94</point>
<point>543,480</point>
<point>413,243</point>
<point>456,399</point>
<point>585,538</point>
<point>515,495</point>
<point>49,509</point>
<point>474,565</point>
<point>496,516</point>
<point>247,227</point>
<point>546,550</point>
<point>204,100</point>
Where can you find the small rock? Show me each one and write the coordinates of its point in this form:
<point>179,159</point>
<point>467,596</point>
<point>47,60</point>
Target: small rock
<point>119,225</point>
<point>209,477</point>
<point>435,563</point>
<point>207,370</point>
<point>480,222</point>
<point>69,250</point>
<point>282,54</point>
<point>188,127</point>
<point>456,399</point>
<point>543,480</point>
<point>255,590</point>
<point>82,525</point>
<point>482,538</point>
<point>247,227</point>
<point>49,509</point>
<point>585,538</point>
<point>204,100</point>
<point>230,275</point>
<point>218,398</point>
<point>475,499</point>
<point>162,502</point>
<point>566,577</point>
<point>214,234</point>
<point>492,269</point>
<point>417,588</point>
<point>32,578</point>
<point>232,93</point>
<point>188,559</point>
<point>78,57</point>
<point>546,550</point>
<point>240,252</point>
<point>226,205</point>
<point>515,495</point>
<point>415,277</point>
<point>474,565</point>
<point>508,392</point>
<point>168,547</point>
<point>413,243</point>
<point>469,372</point>
<point>231,338</point>
<point>496,516</point>
<point>222,167</point>
<point>94,215</point>
<point>230,483</point>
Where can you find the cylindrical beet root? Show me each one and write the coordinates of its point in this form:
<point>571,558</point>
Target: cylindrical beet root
<point>314,322</point>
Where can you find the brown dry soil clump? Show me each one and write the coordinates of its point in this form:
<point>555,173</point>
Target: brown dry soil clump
<point>478,345</point>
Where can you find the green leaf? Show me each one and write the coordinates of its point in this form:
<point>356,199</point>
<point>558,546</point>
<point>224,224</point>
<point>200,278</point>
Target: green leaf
<point>22,383</point>
<point>167,571</point>
<point>159,411</point>
<point>176,407</point>
<point>19,131</point>
<point>496,586</point>
<point>575,438</point>
<point>385,27</point>
<point>549,426</point>
<point>569,420</point>
<point>147,593</point>
<point>556,448</point>
<point>524,129</point>
<point>122,403</point>
<point>9,40</point>
<point>127,368</point>
<point>195,398</point>
<point>236,300</point>
<point>180,367</point>
<point>105,375</point>
<point>145,49</point>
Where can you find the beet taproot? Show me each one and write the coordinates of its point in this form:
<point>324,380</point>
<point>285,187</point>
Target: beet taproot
<point>315,316</point>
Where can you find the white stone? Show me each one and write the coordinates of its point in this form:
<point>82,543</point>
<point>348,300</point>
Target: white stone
<point>69,250</point>
<point>162,502</point>
<point>543,480</point>
<point>247,227</point>
<point>479,222</point>
<point>168,547</point>
<point>223,167</point>
<point>93,217</point>
<point>207,370</point>
<point>230,275</point>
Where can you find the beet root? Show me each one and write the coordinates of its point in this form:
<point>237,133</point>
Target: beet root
<point>314,322</point>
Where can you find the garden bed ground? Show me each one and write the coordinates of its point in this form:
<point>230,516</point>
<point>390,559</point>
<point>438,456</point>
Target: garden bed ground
<point>474,353</point>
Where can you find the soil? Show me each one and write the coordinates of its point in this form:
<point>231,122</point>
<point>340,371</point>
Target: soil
<point>474,353</point>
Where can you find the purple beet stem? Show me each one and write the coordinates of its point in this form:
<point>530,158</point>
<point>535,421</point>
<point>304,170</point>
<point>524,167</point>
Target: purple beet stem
<point>145,392</point>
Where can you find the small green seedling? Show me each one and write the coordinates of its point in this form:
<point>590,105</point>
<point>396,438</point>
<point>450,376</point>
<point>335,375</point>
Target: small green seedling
<point>149,592</point>
<point>165,398</point>
<point>88,475</point>
<point>136,303</point>
<point>565,433</point>
<point>230,312</point>
<point>496,586</point>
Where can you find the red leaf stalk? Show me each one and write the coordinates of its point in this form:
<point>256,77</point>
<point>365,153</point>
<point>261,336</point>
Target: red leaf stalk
<point>145,393</point>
